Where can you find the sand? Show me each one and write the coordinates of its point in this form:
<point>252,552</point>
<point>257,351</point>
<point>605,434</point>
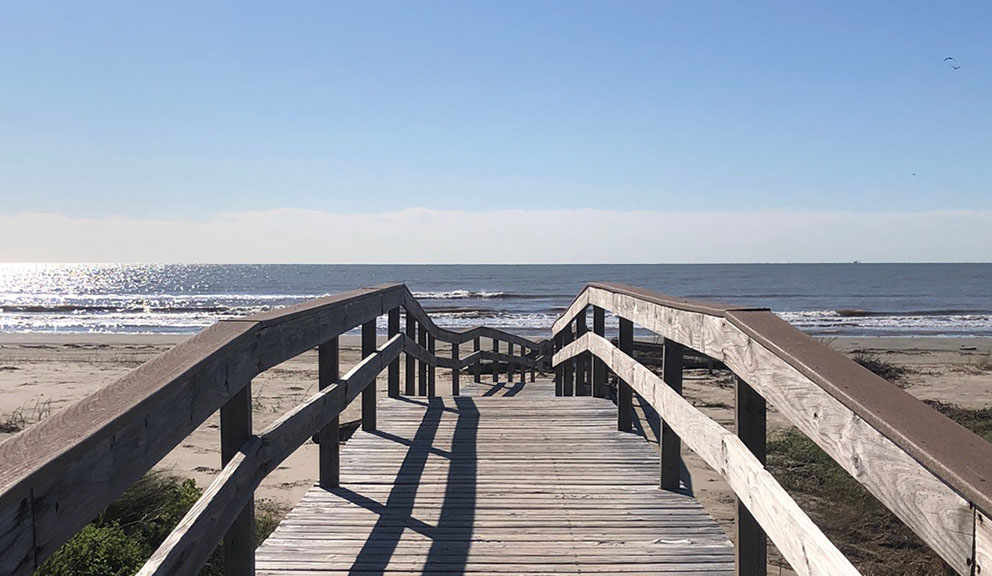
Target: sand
<point>40,374</point>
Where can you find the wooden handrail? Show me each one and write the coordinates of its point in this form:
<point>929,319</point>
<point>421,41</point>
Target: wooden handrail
<point>929,471</point>
<point>798,539</point>
<point>60,473</point>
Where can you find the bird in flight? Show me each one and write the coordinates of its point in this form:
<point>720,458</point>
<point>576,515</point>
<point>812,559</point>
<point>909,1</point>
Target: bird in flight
<point>950,61</point>
<point>949,58</point>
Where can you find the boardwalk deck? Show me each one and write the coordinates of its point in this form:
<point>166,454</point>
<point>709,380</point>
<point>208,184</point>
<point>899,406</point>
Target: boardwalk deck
<point>506,479</point>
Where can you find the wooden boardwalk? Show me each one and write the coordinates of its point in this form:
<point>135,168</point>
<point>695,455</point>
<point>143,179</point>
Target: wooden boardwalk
<point>505,479</point>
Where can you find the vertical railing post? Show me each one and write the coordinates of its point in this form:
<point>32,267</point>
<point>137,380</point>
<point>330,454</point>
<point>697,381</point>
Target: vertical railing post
<point>510,365</point>
<point>421,365</point>
<point>455,369</point>
<point>521,366</point>
<point>625,396</point>
<point>368,394</point>
<point>393,374</point>
<point>559,368</point>
<point>495,360</point>
<point>477,368</point>
<point>750,421</point>
<point>670,444</point>
<point>432,369</point>
<point>235,430</point>
<point>568,374</point>
<point>598,366</point>
<point>411,362</point>
<point>582,360</point>
<point>328,437</point>
<point>533,368</point>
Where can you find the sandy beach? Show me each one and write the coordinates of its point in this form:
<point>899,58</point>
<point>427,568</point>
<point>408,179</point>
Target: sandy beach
<point>43,373</point>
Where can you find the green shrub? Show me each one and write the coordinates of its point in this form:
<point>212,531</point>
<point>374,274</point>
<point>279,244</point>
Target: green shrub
<point>96,550</point>
<point>122,537</point>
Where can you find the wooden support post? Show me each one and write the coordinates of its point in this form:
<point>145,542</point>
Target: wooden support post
<point>477,369</point>
<point>432,369</point>
<point>455,372</point>
<point>393,375</point>
<point>235,430</point>
<point>411,362</point>
<point>560,368</point>
<point>533,369</point>
<point>568,381</point>
<point>750,420</point>
<point>625,396</point>
<point>422,366</point>
<point>329,436</point>
<point>582,360</point>
<point>670,444</point>
<point>368,395</point>
<point>598,366</point>
<point>510,364</point>
<point>523,369</point>
<point>495,361</point>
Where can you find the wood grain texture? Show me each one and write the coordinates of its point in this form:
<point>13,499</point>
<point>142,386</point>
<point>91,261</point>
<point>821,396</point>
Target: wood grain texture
<point>190,544</point>
<point>58,474</point>
<point>983,544</point>
<point>931,507</point>
<point>497,485</point>
<point>800,541</point>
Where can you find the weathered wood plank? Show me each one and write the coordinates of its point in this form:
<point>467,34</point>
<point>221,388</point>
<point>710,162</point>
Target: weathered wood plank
<point>925,502</point>
<point>63,471</point>
<point>191,542</point>
<point>235,431</point>
<point>799,540</point>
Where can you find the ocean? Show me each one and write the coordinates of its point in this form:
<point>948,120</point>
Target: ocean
<point>821,299</point>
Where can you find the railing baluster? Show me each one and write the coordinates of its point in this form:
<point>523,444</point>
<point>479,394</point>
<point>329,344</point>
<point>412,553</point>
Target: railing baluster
<point>393,374</point>
<point>750,422</point>
<point>510,364</point>
<point>368,394</point>
<point>560,368</point>
<point>411,362</point>
<point>568,374</point>
<point>422,366</point>
<point>495,360</point>
<point>432,369</point>
<point>582,361</point>
<point>477,368</point>
<point>235,430</point>
<point>328,437</point>
<point>598,367</point>
<point>670,444</point>
<point>625,396</point>
<point>455,371</point>
<point>522,367</point>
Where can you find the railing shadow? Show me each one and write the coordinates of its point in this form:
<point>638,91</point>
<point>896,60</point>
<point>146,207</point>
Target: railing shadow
<point>452,535</point>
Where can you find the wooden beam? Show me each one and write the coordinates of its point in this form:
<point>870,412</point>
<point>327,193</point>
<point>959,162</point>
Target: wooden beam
<point>477,368</point>
<point>669,444</point>
<point>797,537</point>
<point>411,362</point>
<point>455,372</point>
<point>235,431</point>
<point>368,395</point>
<point>598,367</point>
<point>495,363</point>
<point>329,439</point>
<point>625,396</point>
<point>510,364</point>
<point>751,556</point>
<point>568,386</point>
<point>422,366</point>
<point>582,361</point>
<point>393,372</point>
<point>559,369</point>
<point>432,368</point>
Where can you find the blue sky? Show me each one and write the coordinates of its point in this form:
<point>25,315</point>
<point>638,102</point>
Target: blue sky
<point>185,111</point>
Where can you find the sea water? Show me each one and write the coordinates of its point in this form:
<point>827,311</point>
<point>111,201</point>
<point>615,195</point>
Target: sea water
<point>824,299</point>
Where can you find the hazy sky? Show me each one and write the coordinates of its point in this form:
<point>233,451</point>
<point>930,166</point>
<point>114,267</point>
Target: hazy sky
<point>569,131</point>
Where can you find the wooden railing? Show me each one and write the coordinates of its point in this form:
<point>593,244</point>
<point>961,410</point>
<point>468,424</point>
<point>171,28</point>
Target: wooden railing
<point>58,475</point>
<point>935,475</point>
